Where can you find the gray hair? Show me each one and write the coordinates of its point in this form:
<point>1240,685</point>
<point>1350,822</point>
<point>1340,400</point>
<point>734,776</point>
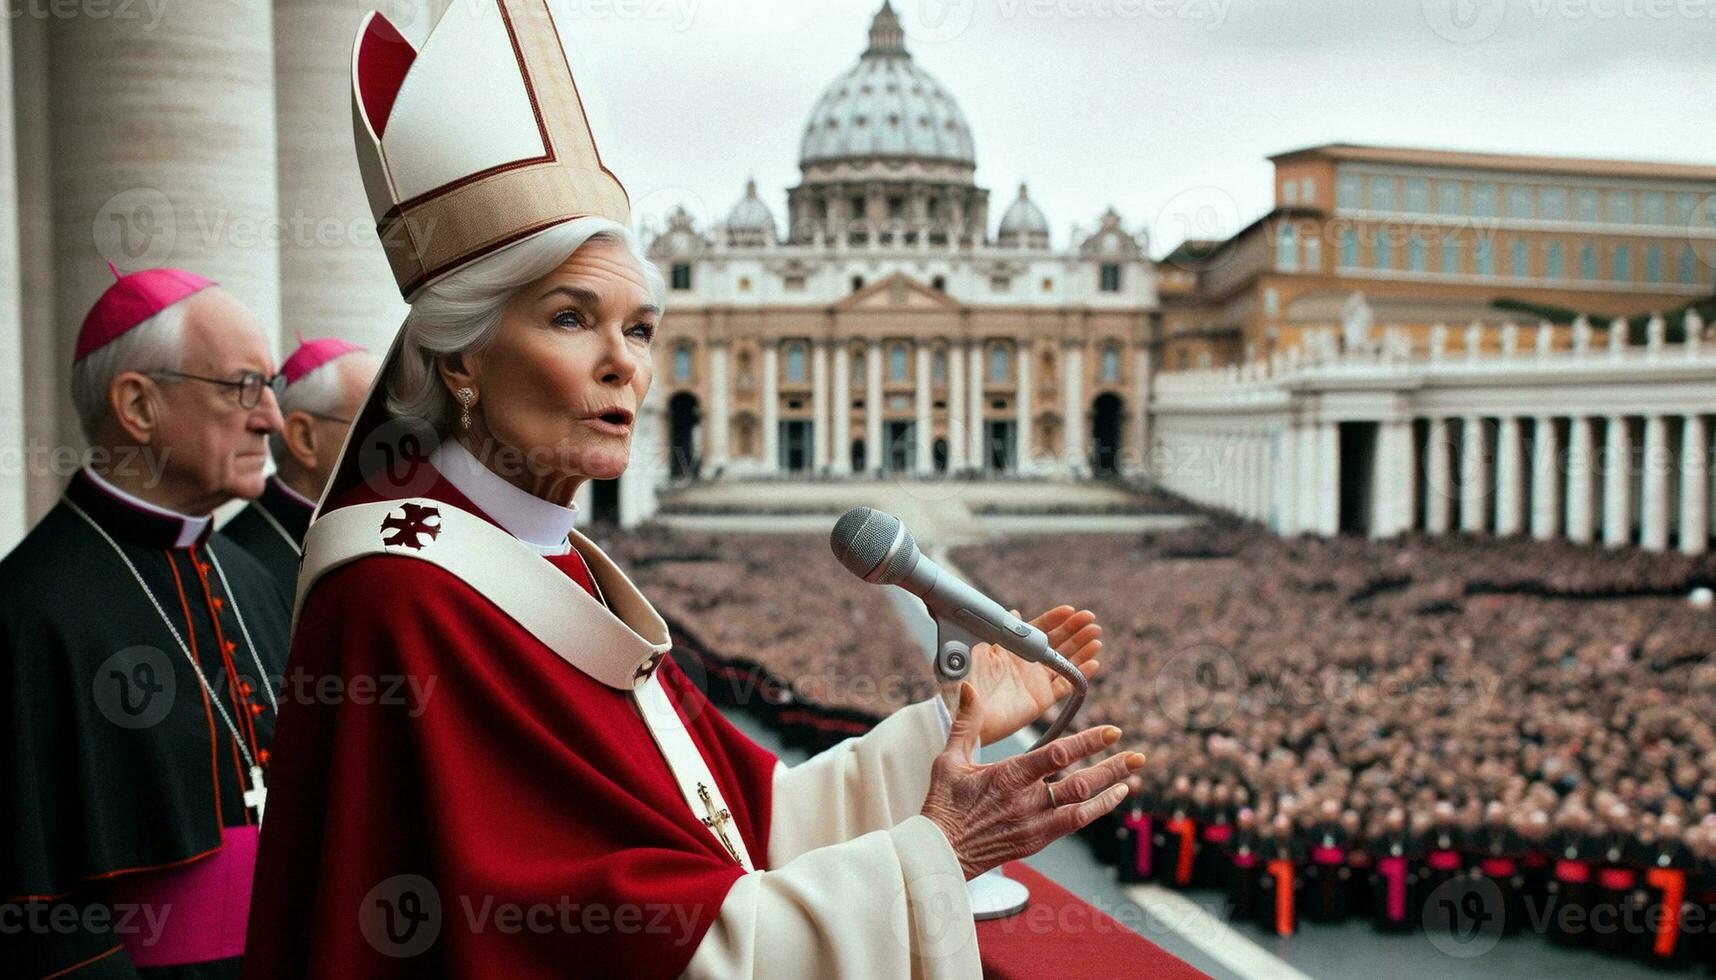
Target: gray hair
<point>156,344</point>
<point>462,313</point>
<point>319,393</point>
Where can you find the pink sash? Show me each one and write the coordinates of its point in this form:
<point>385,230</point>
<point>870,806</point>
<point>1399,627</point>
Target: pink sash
<point>199,908</point>
<point>1393,871</point>
<point>1139,824</point>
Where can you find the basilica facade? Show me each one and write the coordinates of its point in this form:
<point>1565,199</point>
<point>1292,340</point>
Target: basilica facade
<point>883,328</point>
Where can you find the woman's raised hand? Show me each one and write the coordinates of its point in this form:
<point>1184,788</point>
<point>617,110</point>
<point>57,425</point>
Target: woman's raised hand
<point>1004,811</point>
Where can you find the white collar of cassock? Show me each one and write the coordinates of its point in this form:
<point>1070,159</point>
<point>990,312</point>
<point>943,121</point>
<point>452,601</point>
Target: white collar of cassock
<point>541,524</point>
<point>190,528</point>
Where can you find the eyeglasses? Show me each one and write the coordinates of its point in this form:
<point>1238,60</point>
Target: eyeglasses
<point>249,385</point>
<point>326,417</point>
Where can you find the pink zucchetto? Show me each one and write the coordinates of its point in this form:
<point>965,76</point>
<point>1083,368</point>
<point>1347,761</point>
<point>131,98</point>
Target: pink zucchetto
<point>312,354</point>
<point>130,300</point>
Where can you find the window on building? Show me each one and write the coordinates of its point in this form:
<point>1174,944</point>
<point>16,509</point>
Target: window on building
<point>857,283</point>
<point>938,366</point>
<point>1621,263</point>
<point>1686,264</point>
<point>1588,261</point>
<point>1111,364</point>
<point>1552,267</point>
<point>1519,202</point>
<point>999,369</point>
<point>1415,257</point>
<point>1313,252</point>
<point>1653,208</point>
<point>1653,263</point>
<point>1289,191</point>
<point>1384,251</point>
<point>858,373</point>
<point>1286,249</point>
<point>1585,205</point>
<point>1349,248</point>
<point>795,364</point>
<point>1000,284</point>
<point>939,284</point>
<point>1685,206</point>
<point>682,363</point>
<point>1307,190</point>
<point>1451,256</point>
<point>680,276</point>
<point>1382,193</point>
<point>1484,200</point>
<point>794,284</point>
<point>1520,264</point>
<point>1271,302</point>
<point>1110,277</point>
<point>1048,285</point>
<point>1349,191</point>
<point>1621,207</point>
<point>1450,198</point>
<point>1417,195</point>
<point>1552,204</point>
<point>1483,257</point>
<point>897,363</point>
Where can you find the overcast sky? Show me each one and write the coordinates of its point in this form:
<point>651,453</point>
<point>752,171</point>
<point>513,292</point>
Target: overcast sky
<point>1165,109</point>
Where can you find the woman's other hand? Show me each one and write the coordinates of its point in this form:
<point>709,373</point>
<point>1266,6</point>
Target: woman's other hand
<point>1016,692</point>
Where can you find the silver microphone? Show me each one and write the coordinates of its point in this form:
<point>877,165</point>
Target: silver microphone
<point>876,547</point>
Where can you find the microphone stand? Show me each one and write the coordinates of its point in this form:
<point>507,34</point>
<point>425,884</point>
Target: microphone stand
<point>992,894</point>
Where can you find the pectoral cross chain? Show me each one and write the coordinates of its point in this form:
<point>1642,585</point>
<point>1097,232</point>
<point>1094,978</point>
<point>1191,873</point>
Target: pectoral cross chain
<point>717,821</point>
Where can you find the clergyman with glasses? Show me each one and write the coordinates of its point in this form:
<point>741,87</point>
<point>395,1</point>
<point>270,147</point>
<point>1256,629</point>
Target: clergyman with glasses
<point>140,651</point>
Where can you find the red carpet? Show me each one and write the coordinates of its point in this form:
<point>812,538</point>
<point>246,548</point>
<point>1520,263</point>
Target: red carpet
<point>1060,935</point>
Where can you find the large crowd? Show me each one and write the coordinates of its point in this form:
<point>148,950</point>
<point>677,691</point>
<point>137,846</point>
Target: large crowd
<point>1436,733</point>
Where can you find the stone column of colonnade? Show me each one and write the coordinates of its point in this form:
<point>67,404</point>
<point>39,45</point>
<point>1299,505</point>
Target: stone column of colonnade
<point>1695,487</point>
<point>977,445</point>
<point>819,405</point>
<point>771,405</point>
<point>1141,410</point>
<point>717,450</point>
<point>840,433</point>
<point>873,407</point>
<point>1510,479</point>
<point>1073,450</point>
<point>161,150</point>
<point>1617,483</point>
<point>1286,456</point>
<point>334,277</point>
<point>1439,478</point>
<point>1545,479</point>
<point>1022,447</point>
<point>1581,476</point>
<point>922,442</point>
<point>1474,476</point>
<point>956,454</point>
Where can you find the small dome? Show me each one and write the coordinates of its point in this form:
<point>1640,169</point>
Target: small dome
<point>886,106</point>
<point>750,222</point>
<point>1024,221</point>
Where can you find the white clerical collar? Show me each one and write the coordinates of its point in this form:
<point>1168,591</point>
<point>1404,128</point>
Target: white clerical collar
<point>190,528</point>
<point>542,524</point>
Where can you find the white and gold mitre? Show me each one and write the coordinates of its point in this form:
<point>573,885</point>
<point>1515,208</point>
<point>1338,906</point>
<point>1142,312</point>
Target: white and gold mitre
<point>475,142</point>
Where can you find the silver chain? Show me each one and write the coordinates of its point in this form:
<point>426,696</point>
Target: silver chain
<point>278,529</point>
<point>214,699</point>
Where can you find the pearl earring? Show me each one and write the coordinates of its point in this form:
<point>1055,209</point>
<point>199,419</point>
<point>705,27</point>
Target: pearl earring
<point>465,396</point>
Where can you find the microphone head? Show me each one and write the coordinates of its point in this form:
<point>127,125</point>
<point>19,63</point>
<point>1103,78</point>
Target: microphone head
<point>864,540</point>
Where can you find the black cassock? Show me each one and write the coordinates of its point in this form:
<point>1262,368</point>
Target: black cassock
<point>272,529</point>
<point>125,789</point>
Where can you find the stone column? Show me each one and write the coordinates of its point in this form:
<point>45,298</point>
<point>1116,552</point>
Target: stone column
<point>638,484</point>
<point>1072,410</point>
<point>1439,479</point>
<point>873,458</point>
<point>1545,479</point>
<point>771,405</point>
<point>1284,448</point>
<point>1474,477</point>
<point>720,408</point>
<point>164,151</point>
<point>1329,479</point>
<point>841,431</point>
<point>1617,483</point>
<point>1141,413</point>
<point>14,490</point>
<point>1389,477</point>
<point>1310,505</point>
<point>1022,447</point>
<point>1653,521</point>
<point>1694,486</point>
<point>819,405</point>
<point>1510,480</point>
<point>957,458</point>
<point>334,278</point>
<point>1581,504</point>
<point>923,458</point>
<point>977,445</point>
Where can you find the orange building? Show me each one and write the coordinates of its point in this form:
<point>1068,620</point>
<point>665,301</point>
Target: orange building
<point>1436,236</point>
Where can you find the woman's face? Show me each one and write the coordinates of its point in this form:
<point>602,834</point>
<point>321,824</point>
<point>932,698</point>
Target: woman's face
<point>572,347</point>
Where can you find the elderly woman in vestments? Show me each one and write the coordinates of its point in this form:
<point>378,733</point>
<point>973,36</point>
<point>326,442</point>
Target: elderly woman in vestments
<point>486,765</point>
